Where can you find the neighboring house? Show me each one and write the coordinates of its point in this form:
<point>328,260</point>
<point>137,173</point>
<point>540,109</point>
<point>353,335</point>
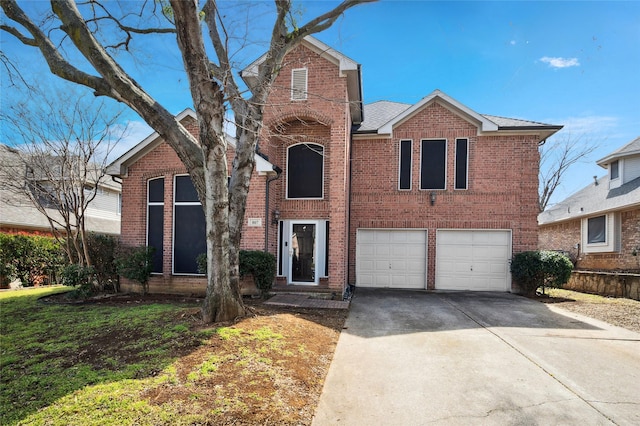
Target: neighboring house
<point>426,196</point>
<point>18,214</point>
<point>599,226</point>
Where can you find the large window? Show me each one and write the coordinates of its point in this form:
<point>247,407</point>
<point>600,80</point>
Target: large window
<point>462,160</point>
<point>155,220</point>
<point>189,230</point>
<point>433,164</point>
<point>601,234</point>
<point>305,171</point>
<point>405,164</point>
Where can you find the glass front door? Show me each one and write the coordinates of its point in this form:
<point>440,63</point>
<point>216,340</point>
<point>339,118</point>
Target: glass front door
<point>303,253</point>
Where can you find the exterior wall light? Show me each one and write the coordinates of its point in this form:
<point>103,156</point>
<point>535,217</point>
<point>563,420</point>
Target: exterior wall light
<point>276,217</point>
<point>432,198</point>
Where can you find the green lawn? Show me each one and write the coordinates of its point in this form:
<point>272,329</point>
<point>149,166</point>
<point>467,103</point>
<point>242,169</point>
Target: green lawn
<point>84,364</point>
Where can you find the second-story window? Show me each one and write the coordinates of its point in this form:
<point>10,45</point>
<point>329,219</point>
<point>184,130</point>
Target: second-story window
<point>299,84</point>
<point>615,169</point>
<point>305,171</point>
<point>462,163</point>
<point>404,178</point>
<point>433,164</point>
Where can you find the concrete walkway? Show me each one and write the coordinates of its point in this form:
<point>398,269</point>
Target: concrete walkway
<point>417,358</point>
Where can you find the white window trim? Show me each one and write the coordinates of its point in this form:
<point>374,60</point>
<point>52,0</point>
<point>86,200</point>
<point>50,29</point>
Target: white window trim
<point>173,229</point>
<point>410,164</point>
<point>296,94</point>
<point>446,171</point>
<point>146,233</point>
<point>324,149</point>
<point>612,234</point>
<point>455,167</point>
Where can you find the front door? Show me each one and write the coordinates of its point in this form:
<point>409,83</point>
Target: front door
<point>302,251</point>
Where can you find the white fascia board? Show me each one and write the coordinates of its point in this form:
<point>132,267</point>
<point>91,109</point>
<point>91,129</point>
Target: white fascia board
<point>604,162</point>
<point>119,166</point>
<point>486,125</point>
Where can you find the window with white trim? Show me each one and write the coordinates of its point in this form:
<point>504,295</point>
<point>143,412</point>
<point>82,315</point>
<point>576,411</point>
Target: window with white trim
<point>305,171</point>
<point>155,221</point>
<point>189,228</point>
<point>462,164</point>
<point>404,174</point>
<point>433,164</point>
<point>299,84</point>
<point>601,234</point>
<point>614,169</point>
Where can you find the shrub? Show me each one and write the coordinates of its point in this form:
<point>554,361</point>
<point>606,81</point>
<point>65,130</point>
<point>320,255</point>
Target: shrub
<point>261,265</point>
<point>252,262</point>
<point>533,269</point>
<point>78,276</point>
<point>136,264</point>
<point>31,258</point>
<point>102,250</point>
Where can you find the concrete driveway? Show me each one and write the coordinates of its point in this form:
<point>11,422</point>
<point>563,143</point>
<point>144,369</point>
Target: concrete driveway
<point>416,358</point>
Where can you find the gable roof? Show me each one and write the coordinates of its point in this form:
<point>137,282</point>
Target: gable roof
<point>594,199</point>
<point>119,166</point>
<point>382,116</point>
<point>347,66</point>
<point>632,148</point>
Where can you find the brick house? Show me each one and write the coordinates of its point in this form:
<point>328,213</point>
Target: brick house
<point>426,196</point>
<point>599,226</point>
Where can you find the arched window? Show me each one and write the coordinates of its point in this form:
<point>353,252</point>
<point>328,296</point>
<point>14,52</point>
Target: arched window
<point>305,171</point>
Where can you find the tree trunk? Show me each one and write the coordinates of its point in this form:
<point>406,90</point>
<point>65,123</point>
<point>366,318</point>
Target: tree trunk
<point>223,301</point>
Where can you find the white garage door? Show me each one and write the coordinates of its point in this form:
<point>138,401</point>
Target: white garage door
<point>473,260</point>
<point>391,258</point>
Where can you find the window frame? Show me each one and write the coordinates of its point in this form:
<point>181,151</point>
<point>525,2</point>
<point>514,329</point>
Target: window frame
<point>466,165</point>
<point>173,227</point>
<point>157,204</point>
<point>612,231</point>
<point>321,197</point>
<point>617,168</point>
<point>422,145</point>
<point>303,94</point>
<point>400,164</point>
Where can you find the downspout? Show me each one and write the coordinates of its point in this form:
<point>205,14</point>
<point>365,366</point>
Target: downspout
<point>267,219</point>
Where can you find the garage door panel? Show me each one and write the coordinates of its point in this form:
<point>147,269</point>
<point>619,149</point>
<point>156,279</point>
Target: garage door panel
<point>391,258</point>
<point>472,260</point>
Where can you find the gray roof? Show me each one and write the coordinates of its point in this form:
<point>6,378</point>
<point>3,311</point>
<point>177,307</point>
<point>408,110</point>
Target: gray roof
<point>379,113</point>
<point>632,148</point>
<point>594,199</point>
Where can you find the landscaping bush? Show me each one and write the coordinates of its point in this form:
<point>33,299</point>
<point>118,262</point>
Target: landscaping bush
<point>33,259</point>
<point>261,265</point>
<point>252,262</point>
<point>78,276</point>
<point>540,268</point>
<point>136,264</point>
<point>102,251</point>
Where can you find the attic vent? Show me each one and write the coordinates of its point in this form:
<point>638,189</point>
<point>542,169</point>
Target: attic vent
<point>299,84</point>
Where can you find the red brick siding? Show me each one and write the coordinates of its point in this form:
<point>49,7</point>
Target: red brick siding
<point>324,119</point>
<point>564,236</point>
<point>162,161</point>
<point>502,185</point>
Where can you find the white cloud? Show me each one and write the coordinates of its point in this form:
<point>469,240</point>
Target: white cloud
<point>512,42</point>
<point>560,62</point>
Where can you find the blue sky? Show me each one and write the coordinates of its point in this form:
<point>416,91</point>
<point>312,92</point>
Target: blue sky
<point>570,63</point>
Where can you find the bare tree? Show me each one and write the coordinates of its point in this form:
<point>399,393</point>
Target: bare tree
<point>556,158</point>
<point>213,89</point>
<point>63,143</point>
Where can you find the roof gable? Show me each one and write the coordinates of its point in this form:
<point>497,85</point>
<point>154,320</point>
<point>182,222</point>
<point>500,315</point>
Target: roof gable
<point>483,123</point>
<point>120,165</point>
<point>347,67</point>
<point>632,148</point>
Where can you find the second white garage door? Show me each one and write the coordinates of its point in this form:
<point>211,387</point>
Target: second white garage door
<point>391,258</point>
<point>473,260</point>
